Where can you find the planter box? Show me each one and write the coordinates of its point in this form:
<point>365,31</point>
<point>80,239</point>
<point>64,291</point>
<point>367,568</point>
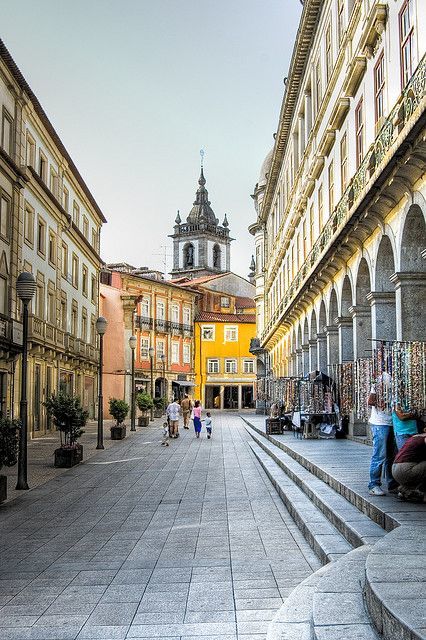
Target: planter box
<point>143,421</point>
<point>158,412</point>
<point>67,458</point>
<point>3,488</point>
<point>118,432</point>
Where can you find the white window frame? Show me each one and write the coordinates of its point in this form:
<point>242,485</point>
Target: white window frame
<point>174,313</point>
<point>160,305</point>
<point>208,327</point>
<point>213,365</point>
<point>159,350</point>
<point>231,365</point>
<point>175,359</point>
<point>186,353</point>
<point>248,365</point>
<point>230,333</point>
<point>146,307</point>
<point>144,348</point>
<point>187,315</point>
<point>224,302</point>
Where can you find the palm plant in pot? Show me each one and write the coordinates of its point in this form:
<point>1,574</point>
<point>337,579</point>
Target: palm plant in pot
<point>69,417</point>
<point>159,404</point>
<point>9,430</point>
<point>145,404</point>
<point>119,410</point>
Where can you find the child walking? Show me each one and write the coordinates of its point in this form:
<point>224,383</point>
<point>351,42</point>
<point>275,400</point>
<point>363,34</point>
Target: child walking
<point>208,422</point>
<point>197,418</point>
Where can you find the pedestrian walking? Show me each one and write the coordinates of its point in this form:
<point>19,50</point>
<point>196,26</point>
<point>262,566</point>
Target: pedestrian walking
<point>173,412</point>
<point>186,406</point>
<point>381,430</point>
<point>166,434</point>
<point>197,418</point>
<point>209,424</point>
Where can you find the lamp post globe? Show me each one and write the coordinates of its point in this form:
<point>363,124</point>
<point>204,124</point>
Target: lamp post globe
<point>25,288</point>
<point>132,345</point>
<point>101,327</point>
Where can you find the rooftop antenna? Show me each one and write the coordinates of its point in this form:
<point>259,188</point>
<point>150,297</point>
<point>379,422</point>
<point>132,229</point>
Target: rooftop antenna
<point>202,152</point>
<point>165,254</point>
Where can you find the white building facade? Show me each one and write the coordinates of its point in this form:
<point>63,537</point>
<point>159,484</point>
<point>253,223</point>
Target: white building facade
<point>53,231</point>
<point>341,201</point>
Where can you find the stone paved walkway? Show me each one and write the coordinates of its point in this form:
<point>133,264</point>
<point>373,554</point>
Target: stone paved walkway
<point>142,541</point>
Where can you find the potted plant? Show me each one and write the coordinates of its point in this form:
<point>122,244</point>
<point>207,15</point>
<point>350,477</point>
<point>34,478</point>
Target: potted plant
<point>69,417</point>
<point>145,404</point>
<point>9,430</point>
<point>159,404</point>
<point>119,410</point>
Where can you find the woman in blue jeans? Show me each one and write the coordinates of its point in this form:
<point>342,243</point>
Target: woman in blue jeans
<point>404,425</point>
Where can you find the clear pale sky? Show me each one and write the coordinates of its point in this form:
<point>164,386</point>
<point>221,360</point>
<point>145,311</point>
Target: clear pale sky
<point>135,88</point>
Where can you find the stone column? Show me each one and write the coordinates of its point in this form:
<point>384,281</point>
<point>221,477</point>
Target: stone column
<point>332,344</point>
<point>305,358</point>
<point>299,357</point>
<point>410,297</point>
<point>240,397</point>
<point>313,355</point>
<point>322,352</point>
<point>222,395</point>
<point>361,318</point>
<point>346,338</point>
<point>383,315</point>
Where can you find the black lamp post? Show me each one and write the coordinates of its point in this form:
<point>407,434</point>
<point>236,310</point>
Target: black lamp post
<point>132,345</point>
<point>101,325</point>
<point>25,288</point>
<point>151,359</point>
<point>163,362</point>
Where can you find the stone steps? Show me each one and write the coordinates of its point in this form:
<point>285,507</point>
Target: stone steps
<point>327,542</point>
<point>354,525</point>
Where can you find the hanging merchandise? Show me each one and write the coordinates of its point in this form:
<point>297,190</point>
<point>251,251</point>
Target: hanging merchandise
<point>409,375</point>
<point>363,370</point>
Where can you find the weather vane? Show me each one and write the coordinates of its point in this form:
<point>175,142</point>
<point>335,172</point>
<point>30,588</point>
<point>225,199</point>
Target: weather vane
<point>202,156</point>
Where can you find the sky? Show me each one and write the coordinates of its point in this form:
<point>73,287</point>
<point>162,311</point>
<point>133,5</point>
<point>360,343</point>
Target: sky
<point>135,88</point>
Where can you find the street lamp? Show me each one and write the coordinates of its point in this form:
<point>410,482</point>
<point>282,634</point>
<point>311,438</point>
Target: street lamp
<point>132,345</point>
<point>151,358</point>
<point>163,362</point>
<point>25,288</point>
<point>101,325</point>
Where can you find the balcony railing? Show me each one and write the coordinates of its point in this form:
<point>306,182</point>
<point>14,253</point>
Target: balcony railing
<point>42,332</point>
<point>145,323</point>
<point>393,125</point>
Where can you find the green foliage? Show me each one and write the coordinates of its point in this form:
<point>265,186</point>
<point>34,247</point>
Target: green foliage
<point>118,409</point>
<point>9,437</point>
<point>68,416</point>
<point>144,402</point>
<point>159,403</point>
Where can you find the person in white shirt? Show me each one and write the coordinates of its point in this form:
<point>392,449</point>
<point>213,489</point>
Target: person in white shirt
<point>173,412</point>
<point>380,423</point>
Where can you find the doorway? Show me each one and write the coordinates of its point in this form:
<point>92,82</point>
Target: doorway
<point>212,396</point>
<point>247,397</point>
<point>230,397</point>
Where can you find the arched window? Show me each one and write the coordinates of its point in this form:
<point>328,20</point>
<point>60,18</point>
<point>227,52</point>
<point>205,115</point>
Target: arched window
<point>216,256</point>
<point>188,255</point>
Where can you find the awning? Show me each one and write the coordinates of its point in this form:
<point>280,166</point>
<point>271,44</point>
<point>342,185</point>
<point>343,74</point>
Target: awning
<point>183,383</point>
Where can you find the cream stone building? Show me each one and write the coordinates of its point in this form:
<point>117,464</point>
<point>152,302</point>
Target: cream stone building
<point>340,233</point>
<point>50,225</point>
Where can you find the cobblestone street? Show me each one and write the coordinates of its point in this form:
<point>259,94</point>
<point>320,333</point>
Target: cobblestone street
<point>143,541</point>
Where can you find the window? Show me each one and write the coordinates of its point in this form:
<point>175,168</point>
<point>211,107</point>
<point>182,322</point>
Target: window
<point>207,333</point>
<point>231,333</point>
<point>213,365</point>
<point>76,214</point>
<point>343,163</point>
<point>224,302</point>
<point>161,310</point>
<point>188,255</point>
<point>29,224</point>
<point>328,53</point>
<point>7,132</point>
<point>144,349</point>
<point>3,295</point>
<point>186,315</point>
<point>406,37</point>
<point>93,289</point>
<point>186,353</point>
<point>54,182</point>
<point>52,248</point>
<point>41,236</point>
<point>84,325</point>
<point>305,238</point>
<point>230,366</point>
<point>175,352</point>
<point>75,262</point>
<point>175,313</point>
<point>30,151</point>
<point>359,132</point>
<point>145,307</point>
<point>51,305</point>
<point>311,225</point>
<point>340,19</point>
<point>320,208</point>
<point>65,199</point>
<point>39,301</point>
<point>330,188</point>
<point>318,84</point>
<point>74,318</point>
<point>160,348</point>
<point>4,216</point>
<point>42,166</point>
<point>86,227</point>
<point>64,260</point>
<point>379,88</point>
<point>216,257</point>
<point>248,366</point>
<point>95,239</point>
<point>64,317</point>
<point>92,330</point>
<point>84,280</point>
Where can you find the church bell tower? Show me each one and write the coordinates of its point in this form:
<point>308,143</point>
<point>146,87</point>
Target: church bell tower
<point>201,246</point>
